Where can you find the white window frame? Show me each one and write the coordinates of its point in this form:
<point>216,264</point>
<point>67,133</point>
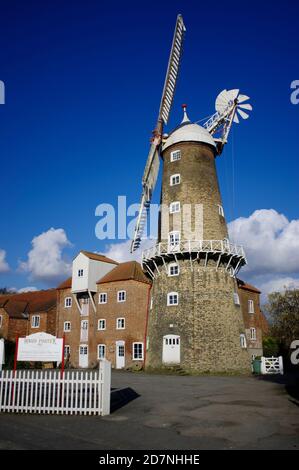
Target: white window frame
<point>68,302</point>
<point>99,321</point>
<point>83,348</point>
<point>173,265</point>
<point>119,295</point>
<point>151,303</point>
<point>67,348</point>
<point>220,210</point>
<point>123,320</point>
<point>250,306</point>
<point>65,329</point>
<point>175,207</point>
<point>105,295</point>
<point>175,155</point>
<point>243,342</point>
<point>80,272</point>
<point>98,350</point>
<point>175,242</point>
<point>253,334</point>
<point>173,179</point>
<point>33,318</point>
<point>236,298</point>
<point>174,295</point>
<point>134,358</point>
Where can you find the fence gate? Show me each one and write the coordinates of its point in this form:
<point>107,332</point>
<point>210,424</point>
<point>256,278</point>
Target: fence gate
<point>272,365</point>
<point>39,391</point>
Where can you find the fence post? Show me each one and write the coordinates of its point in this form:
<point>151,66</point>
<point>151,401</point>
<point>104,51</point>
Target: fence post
<point>104,386</point>
<point>280,365</point>
<point>263,365</point>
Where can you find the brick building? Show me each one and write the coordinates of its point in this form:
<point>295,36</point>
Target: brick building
<point>255,322</point>
<point>102,311</point>
<point>27,313</point>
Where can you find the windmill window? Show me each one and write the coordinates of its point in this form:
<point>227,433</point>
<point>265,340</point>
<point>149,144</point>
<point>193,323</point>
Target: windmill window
<point>220,210</point>
<point>174,238</point>
<point>175,155</point>
<point>243,341</point>
<point>80,272</point>
<point>173,269</point>
<point>67,351</point>
<point>172,298</point>
<point>175,179</point>
<point>175,207</point>
<point>236,298</point>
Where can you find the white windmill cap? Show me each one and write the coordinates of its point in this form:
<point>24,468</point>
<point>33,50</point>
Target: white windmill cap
<point>188,132</point>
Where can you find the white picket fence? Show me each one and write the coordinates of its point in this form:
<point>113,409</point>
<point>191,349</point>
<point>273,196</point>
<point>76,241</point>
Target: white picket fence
<point>40,391</point>
<point>272,365</point>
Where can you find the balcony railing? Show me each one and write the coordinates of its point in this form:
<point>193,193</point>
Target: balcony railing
<point>193,246</point>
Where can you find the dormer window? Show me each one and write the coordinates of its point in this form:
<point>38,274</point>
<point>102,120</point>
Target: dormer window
<point>175,207</point>
<point>80,272</point>
<point>175,155</point>
<point>175,179</point>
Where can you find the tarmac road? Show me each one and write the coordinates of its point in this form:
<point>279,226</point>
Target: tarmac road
<point>169,412</point>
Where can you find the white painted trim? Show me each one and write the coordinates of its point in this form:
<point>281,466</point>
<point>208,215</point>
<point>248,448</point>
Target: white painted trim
<point>168,299</point>
<point>175,176</point>
<point>122,327</point>
<point>103,320</point>
<point>67,322</point>
<point>173,153</point>
<point>32,318</point>
<point>142,350</point>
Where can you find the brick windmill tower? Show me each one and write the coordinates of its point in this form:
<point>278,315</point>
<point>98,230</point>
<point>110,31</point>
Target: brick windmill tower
<point>195,320</point>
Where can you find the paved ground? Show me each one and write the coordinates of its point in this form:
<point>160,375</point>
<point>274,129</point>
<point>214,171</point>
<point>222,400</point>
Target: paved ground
<point>170,412</point>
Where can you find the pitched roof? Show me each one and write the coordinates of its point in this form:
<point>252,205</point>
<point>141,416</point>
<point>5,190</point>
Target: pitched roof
<point>131,270</point>
<point>246,286</point>
<point>67,284</point>
<point>28,302</point>
<point>98,257</point>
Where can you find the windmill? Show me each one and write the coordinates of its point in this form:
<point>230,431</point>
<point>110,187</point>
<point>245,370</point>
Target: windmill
<point>230,106</point>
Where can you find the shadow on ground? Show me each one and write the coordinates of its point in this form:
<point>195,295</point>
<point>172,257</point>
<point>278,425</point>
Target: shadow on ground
<point>290,380</point>
<point>122,397</point>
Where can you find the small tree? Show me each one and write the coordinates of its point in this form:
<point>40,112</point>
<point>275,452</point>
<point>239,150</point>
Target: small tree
<point>270,346</point>
<point>283,308</point>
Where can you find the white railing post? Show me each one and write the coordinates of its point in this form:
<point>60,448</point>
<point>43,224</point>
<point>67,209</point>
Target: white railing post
<point>104,387</point>
<point>280,365</point>
<point>263,365</point>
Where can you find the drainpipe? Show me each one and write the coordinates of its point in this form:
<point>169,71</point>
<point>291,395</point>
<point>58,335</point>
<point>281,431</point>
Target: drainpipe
<point>146,323</point>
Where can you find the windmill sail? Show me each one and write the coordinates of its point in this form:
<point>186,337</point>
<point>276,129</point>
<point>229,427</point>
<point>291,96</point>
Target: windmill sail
<point>151,170</point>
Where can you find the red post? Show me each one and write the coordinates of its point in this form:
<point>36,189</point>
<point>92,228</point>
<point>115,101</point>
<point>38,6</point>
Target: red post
<point>62,359</point>
<point>16,356</point>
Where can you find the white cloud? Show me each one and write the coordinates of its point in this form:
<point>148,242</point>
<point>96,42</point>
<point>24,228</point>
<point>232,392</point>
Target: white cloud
<point>27,289</point>
<point>270,240</point>
<point>3,263</point>
<point>121,251</point>
<point>271,244</point>
<point>45,259</point>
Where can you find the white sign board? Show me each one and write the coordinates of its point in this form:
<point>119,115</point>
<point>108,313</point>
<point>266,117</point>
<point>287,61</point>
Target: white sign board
<point>40,347</point>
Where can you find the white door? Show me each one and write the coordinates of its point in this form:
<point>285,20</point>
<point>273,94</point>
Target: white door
<point>120,354</point>
<point>171,349</point>
<point>84,331</point>
<point>83,355</point>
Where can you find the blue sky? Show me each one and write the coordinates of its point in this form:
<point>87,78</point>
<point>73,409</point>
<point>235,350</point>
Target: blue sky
<point>83,84</point>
